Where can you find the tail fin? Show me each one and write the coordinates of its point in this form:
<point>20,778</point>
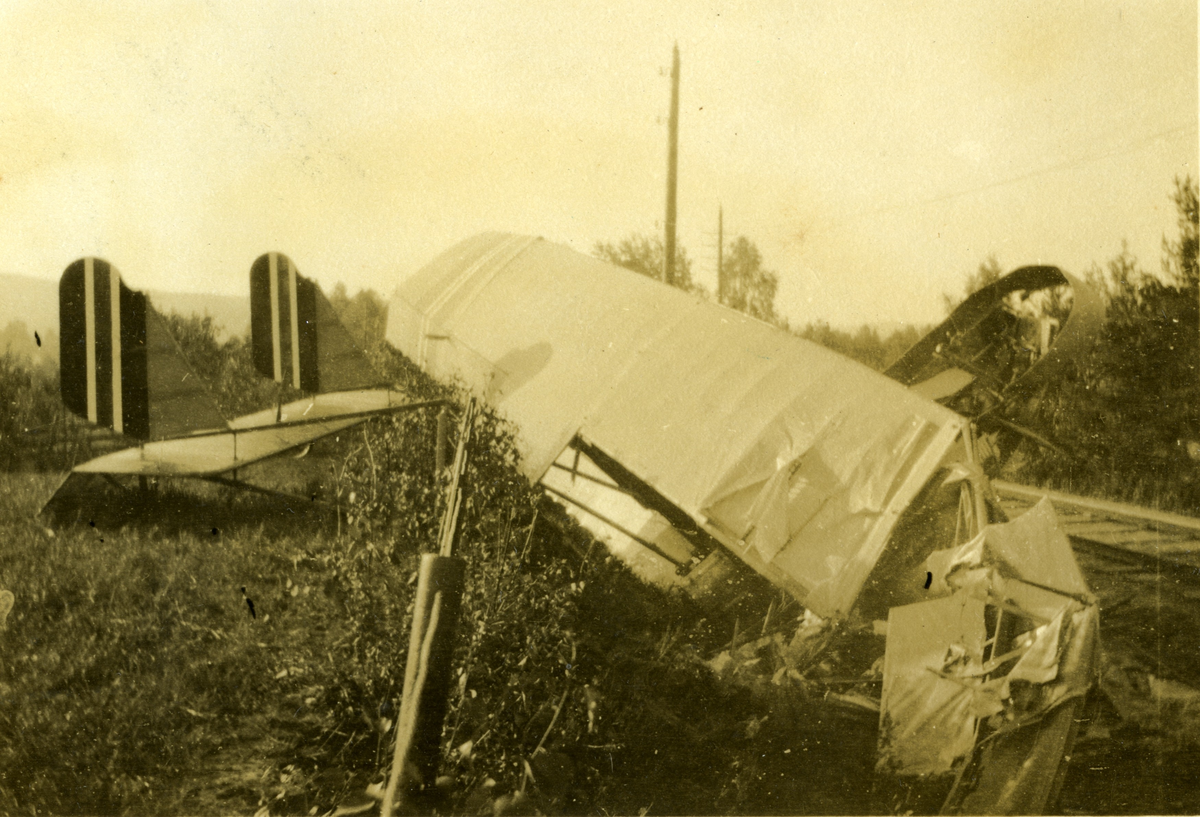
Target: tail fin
<point>296,336</point>
<point>119,366</point>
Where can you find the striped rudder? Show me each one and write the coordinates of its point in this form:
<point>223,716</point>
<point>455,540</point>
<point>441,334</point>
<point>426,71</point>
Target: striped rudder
<point>118,365</point>
<point>296,337</point>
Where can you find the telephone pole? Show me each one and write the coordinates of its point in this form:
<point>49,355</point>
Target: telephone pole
<point>720,254</point>
<point>672,171</point>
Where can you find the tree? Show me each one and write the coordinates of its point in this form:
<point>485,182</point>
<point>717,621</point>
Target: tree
<point>1130,410</point>
<point>865,344</point>
<point>988,273</point>
<point>364,315</point>
<point>647,255</point>
<point>1180,264</point>
<point>35,430</point>
<point>226,367</point>
<point>747,286</point>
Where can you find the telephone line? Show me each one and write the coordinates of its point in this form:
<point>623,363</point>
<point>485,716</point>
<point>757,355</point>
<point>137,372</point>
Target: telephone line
<point>1128,148</point>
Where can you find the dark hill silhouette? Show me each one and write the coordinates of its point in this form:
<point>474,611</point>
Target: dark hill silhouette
<point>29,304</point>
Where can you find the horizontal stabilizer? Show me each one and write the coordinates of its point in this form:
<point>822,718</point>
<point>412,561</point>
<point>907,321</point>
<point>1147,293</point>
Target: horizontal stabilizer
<point>253,437</point>
<point>119,365</point>
<point>296,336</point>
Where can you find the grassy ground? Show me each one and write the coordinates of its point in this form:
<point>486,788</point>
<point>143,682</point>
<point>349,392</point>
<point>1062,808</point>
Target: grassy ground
<point>136,679</point>
<point>135,675</point>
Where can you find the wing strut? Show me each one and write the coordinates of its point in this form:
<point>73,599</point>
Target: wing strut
<point>682,567</point>
<point>258,489</point>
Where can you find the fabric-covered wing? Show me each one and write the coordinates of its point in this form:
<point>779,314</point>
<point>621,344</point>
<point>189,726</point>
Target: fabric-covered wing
<point>320,406</point>
<point>792,456</point>
<point>119,366</point>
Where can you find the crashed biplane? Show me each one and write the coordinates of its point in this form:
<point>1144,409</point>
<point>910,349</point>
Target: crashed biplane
<point>712,439</point>
<point>121,369</point>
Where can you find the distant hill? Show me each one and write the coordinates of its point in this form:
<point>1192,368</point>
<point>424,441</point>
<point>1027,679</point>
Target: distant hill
<point>41,348</point>
<point>230,313</point>
<point>29,305</point>
<point>33,303</point>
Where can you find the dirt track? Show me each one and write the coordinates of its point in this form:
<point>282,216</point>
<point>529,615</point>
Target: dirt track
<point>1140,755</point>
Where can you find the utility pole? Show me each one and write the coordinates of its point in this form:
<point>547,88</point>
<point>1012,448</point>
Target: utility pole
<point>672,170</point>
<point>720,254</point>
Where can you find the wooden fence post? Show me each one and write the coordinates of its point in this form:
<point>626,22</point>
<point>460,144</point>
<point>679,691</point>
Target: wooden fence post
<point>423,704</point>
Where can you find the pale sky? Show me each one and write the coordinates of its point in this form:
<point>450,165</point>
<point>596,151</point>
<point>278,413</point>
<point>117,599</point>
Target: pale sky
<point>876,152</point>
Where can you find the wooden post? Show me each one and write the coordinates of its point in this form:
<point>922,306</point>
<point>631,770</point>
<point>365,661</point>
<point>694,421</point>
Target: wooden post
<point>439,454</point>
<point>426,678</point>
<point>427,673</point>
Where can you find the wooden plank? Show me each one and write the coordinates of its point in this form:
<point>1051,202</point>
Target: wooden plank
<point>1141,540</point>
<point>1173,549</point>
<point>1016,507</point>
<point>1115,539</point>
<point>1107,528</point>
<point>1117,510</point>
<point>1172,540</point>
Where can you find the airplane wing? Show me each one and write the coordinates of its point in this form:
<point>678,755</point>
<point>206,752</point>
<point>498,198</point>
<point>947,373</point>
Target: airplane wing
<point>210,455</point>
<point>119,366</point>
<point>795,459</point>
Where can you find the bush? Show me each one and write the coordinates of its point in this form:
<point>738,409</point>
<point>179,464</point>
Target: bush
<point>197,651</point>
<point>36,432</point>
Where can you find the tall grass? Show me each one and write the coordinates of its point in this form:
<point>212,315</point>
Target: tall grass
<point>136,680</point>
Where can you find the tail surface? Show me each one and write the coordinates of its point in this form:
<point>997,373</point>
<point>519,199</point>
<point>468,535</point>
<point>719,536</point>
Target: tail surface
<point>296,336</point>
<point>119,366</point>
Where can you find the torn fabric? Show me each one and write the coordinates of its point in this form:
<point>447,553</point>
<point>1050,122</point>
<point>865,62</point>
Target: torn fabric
<point>927,720</point>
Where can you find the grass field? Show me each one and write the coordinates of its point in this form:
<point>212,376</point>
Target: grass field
<point>136,679</point>
<point>189,650</point>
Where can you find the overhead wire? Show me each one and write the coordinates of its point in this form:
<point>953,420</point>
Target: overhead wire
<point>1128,147</point>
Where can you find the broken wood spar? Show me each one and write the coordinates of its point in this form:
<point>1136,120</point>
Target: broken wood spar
<point>423,704</point>
<point>448,534</point>
<point>439,449</point>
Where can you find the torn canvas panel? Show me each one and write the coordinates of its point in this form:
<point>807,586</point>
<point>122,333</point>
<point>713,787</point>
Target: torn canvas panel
<point>927,720</point>
<point>1015,634</point>
<point>946,675</point>
<point>1032,548</point>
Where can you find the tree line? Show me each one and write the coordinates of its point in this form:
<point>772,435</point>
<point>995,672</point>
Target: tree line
<point>748,286</point>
